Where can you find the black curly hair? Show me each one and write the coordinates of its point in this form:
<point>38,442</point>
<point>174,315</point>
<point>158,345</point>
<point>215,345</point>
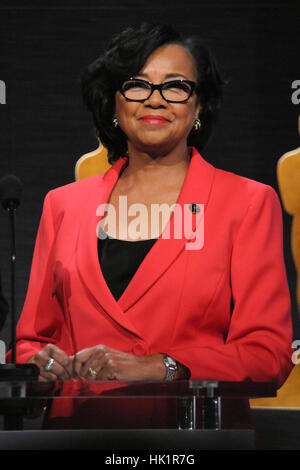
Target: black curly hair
<point>124,57</point>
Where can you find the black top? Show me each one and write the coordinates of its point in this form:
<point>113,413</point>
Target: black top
<point>120,259</point>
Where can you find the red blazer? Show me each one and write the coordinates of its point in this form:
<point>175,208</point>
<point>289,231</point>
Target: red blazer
<point>222,310</point>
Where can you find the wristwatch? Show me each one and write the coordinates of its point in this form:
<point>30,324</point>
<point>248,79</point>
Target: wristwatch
<point>171,367</point>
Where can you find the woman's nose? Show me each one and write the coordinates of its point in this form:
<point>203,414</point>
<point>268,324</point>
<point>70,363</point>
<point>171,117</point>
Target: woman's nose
<point>155,99</point>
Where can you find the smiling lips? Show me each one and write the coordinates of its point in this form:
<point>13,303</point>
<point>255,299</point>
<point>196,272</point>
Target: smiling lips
<point>154,119</point>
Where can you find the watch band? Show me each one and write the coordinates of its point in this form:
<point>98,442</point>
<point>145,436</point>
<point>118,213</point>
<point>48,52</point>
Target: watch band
<point>171,368</point>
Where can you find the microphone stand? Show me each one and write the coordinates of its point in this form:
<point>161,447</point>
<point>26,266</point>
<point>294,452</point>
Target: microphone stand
<point>12,216</point>
<point>13,376</point>
<point>15,371</point>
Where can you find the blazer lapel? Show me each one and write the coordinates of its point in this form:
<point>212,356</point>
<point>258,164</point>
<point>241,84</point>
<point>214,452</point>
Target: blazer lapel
<point>195,190</point>
<point>87,259</point>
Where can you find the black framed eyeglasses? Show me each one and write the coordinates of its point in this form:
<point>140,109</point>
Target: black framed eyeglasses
<point>175,91</point>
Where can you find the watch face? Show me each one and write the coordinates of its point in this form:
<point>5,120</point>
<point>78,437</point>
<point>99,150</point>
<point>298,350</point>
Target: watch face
<point>170,363</point>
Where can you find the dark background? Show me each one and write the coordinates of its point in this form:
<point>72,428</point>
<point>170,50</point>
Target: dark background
<point>44,127</point>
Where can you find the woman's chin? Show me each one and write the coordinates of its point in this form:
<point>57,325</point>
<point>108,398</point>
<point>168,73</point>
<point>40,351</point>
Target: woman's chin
<point>155,145</point>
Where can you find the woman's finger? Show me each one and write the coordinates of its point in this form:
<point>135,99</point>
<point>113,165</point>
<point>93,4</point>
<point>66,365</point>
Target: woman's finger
<point>53,363</point>
<point>86,359</point>
<point>47,376</point>
<point>62,365</point>
<point>104,367</point>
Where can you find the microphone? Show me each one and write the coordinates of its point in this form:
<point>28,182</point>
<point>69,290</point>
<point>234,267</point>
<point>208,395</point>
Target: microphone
<point>10,192</point>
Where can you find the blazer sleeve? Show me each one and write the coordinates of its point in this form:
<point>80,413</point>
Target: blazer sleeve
<point>41,320</point>
<point>258,343</point>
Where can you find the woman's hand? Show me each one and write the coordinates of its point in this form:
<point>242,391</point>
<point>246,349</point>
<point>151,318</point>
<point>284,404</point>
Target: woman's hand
<point>104,363</point>
<point>59,364</point>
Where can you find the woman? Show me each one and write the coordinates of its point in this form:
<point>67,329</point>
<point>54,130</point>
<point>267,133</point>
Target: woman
<point>150,305</point>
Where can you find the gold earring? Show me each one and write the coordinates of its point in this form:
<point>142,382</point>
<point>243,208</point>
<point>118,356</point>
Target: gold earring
<point>197,125</point>
<point>115,122</point>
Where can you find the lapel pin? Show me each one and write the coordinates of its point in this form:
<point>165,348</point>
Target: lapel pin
<point>194,208</point>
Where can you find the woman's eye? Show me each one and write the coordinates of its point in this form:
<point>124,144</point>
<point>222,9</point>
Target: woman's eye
<point>177,87</point>
<point>135,85</point>
<point>142,86</point>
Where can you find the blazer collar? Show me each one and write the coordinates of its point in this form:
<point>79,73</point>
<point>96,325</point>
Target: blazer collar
<point>195,190</point>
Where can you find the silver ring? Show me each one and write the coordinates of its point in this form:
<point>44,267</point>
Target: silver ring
<point>49,364</point>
